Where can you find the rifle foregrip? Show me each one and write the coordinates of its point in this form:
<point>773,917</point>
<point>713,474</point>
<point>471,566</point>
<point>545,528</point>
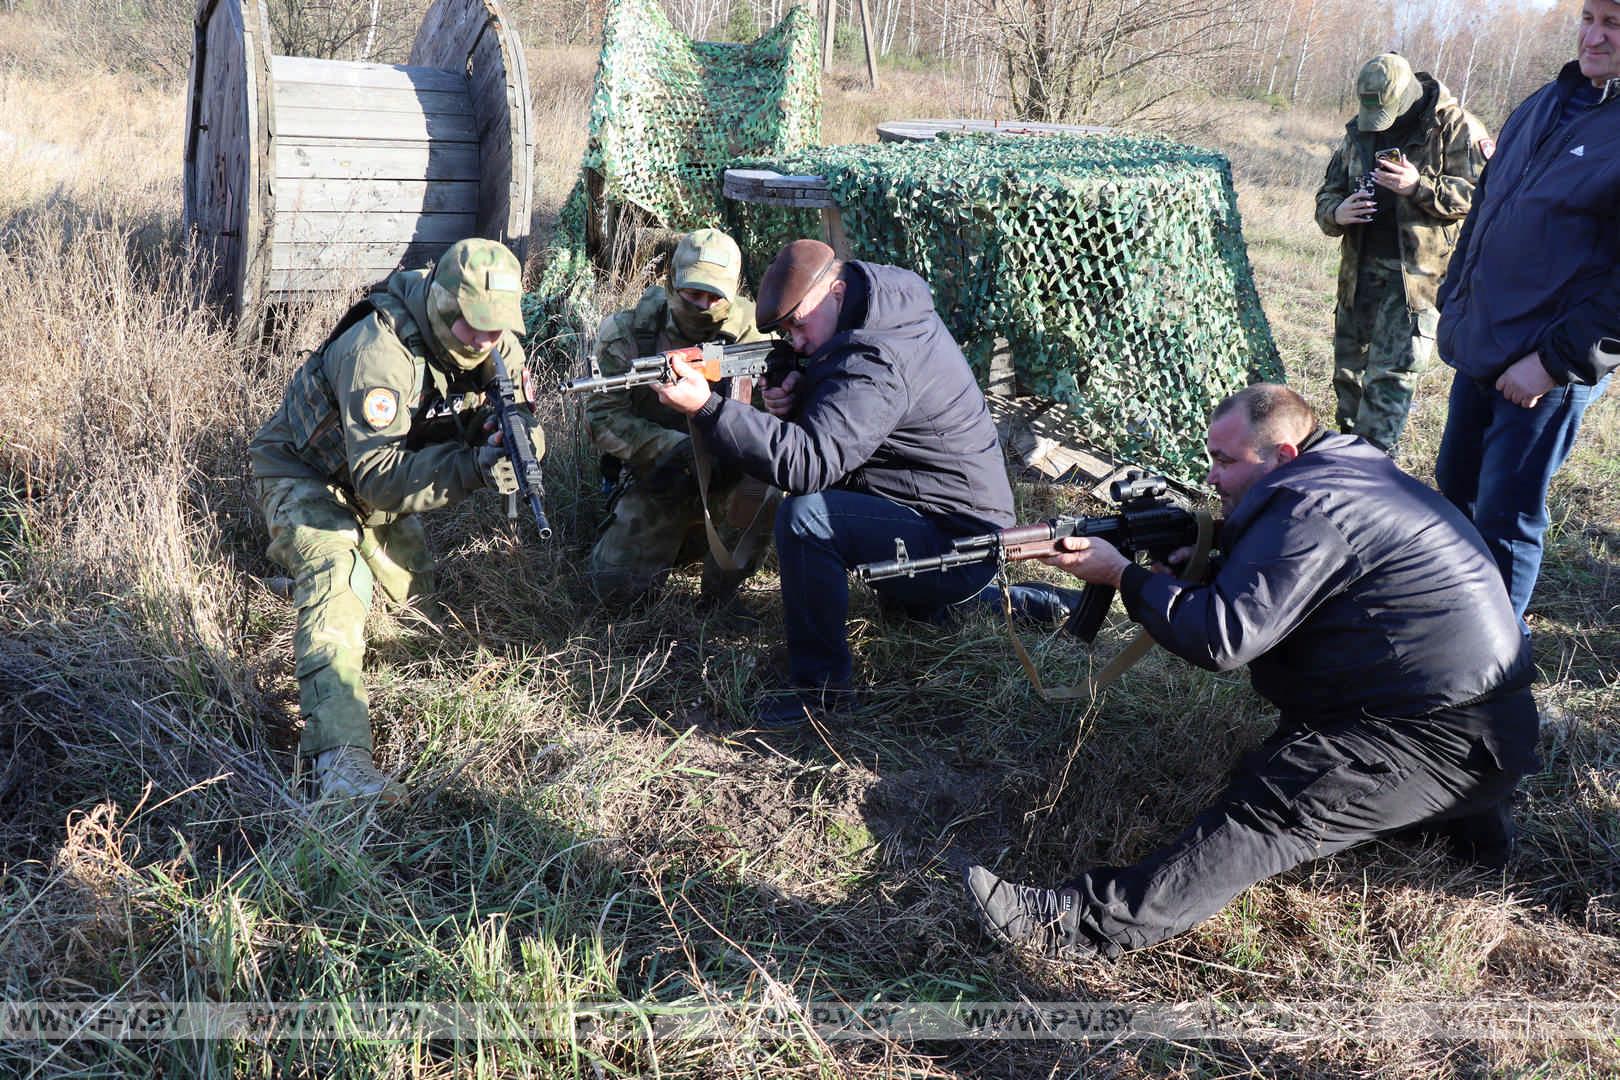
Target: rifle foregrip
<point>1087,619</point>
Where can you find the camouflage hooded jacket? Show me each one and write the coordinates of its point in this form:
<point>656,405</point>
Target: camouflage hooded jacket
<point>1448,146</point>
<point>379,414</point>
<point>632,425</point>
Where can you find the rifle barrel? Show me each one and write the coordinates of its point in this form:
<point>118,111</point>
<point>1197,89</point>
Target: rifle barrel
<point>893,568</point>
<point>716,360</point>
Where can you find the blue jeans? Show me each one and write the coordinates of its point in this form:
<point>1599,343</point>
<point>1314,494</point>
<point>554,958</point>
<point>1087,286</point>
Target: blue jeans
<point>1496,462</point>
<point>818,538</point>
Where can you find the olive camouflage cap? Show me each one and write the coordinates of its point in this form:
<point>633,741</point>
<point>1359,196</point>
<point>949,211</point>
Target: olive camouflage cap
<point>710,260</point>
<point>487,282</point>
<point>1386,88</point>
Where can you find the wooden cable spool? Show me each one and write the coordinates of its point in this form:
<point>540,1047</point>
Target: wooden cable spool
<point>311,176</point>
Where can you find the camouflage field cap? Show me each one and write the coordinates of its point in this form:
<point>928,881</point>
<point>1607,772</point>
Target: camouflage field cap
<point>1386,88</point>
<point>710,260</point>
<point>487,282</point>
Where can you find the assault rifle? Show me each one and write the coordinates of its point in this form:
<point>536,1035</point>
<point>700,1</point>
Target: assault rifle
<point>1147,522</point>
<point>717,360</point>
<point>515,441</point>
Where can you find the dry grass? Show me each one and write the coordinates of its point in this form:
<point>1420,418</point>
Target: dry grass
<point>586,824</point>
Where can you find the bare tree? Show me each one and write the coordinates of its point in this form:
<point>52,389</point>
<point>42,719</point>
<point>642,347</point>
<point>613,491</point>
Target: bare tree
<point>343,29</point>
<point>1058,57</point>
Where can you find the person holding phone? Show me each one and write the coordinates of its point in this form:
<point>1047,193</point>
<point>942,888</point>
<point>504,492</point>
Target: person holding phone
<point>1395,193</point>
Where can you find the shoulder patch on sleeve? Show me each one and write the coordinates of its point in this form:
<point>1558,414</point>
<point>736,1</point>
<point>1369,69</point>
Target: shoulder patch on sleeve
<point>1487,147</point>
<point>380,407</point>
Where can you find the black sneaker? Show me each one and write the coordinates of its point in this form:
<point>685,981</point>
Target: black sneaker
<point>1025,915</point>
<point>791,709</point>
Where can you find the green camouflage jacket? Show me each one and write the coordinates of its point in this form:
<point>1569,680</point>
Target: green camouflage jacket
<point>1449,146</point>
<point>632,426</point>
<point>377,412</point>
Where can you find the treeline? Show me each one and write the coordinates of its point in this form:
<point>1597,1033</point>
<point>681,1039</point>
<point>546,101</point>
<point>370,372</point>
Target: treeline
<point>1103,60</point>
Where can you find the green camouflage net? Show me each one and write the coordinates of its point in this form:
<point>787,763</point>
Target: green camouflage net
<point>668,115</point>
<point>1114,266</point>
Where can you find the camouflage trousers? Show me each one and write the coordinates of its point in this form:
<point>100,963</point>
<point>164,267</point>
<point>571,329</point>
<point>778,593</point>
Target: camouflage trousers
<point>648,533</point>
<point>1380,346</point>
<point>335,562</point>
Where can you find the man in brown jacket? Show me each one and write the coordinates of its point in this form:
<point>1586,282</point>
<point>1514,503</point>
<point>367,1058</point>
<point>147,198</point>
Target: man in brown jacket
<point>1396,192</point>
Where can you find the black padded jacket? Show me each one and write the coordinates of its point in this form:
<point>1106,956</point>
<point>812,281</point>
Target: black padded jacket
<point>888,407</point>
<point>1348,587</point>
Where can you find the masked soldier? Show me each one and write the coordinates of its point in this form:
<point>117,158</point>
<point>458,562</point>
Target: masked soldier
<point>382,422</point>
<point>1396,192</point>
<point>656,517</point>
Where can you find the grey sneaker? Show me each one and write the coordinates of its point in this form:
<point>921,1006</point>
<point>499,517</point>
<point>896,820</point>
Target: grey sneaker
<point>1025,915</point>
<point>347,772</point>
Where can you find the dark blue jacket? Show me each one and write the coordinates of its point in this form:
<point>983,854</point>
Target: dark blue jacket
<point>1348,587</point>
<point>888,407</point>
<point>1537,265</point>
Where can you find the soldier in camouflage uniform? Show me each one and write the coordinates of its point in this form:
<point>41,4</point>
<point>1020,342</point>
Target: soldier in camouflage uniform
<point>1397,235</point>
<point>656,516</point>
<point>382,422</point>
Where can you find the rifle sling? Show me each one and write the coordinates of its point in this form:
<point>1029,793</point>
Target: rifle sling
<point>732,560</point>
<point>1126,657</point>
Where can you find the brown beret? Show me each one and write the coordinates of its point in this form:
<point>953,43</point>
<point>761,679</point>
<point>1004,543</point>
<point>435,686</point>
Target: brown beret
<point>789,279</point>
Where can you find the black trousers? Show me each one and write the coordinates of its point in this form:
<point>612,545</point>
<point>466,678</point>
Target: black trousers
<point>1309,792</point>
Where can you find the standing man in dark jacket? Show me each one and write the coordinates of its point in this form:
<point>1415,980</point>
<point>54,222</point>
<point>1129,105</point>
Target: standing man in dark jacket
<point>1422,153</point>
<point>883,434</point>
<point>1530,313</point>
<point>1371,615</point>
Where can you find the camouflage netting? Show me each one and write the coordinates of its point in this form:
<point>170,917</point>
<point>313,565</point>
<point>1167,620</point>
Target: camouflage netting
<point>1114,266</point>
<point>668,115</point>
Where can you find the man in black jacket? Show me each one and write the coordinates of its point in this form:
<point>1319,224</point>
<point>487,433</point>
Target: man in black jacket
<point>1371,614</point>
<point>882,435</point>
<point>1530,311</point>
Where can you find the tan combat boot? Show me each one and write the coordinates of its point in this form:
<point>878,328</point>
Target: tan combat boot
<point>347,772</point>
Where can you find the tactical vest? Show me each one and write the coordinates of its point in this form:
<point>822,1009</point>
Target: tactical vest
<point>314,414</point>
<point>646,320</point>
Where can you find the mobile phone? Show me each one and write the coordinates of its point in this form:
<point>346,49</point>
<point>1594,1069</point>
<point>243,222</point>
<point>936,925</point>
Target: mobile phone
<point>1393,154</point>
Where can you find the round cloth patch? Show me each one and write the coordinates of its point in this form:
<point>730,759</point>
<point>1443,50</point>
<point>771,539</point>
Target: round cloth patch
<point>380,407</point>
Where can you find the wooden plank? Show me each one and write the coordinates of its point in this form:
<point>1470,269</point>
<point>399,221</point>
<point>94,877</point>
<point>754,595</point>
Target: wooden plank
<point>520,134</point>
<point>1041,435</point>
<point>776,189</point>
<point>372,196</point>
<point>449,31</point>
<point>280,284</point>
<point>259,203</point>
<point>297,257</point>
<point>294,69</point>
<point>363,126</point>
<point>926,130</point>
<point>454,161</point>
<point>318,228</point>
<point>495,187</point>
<point>488,81</point>
<point>224,149</point>
<point>371,99</point>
